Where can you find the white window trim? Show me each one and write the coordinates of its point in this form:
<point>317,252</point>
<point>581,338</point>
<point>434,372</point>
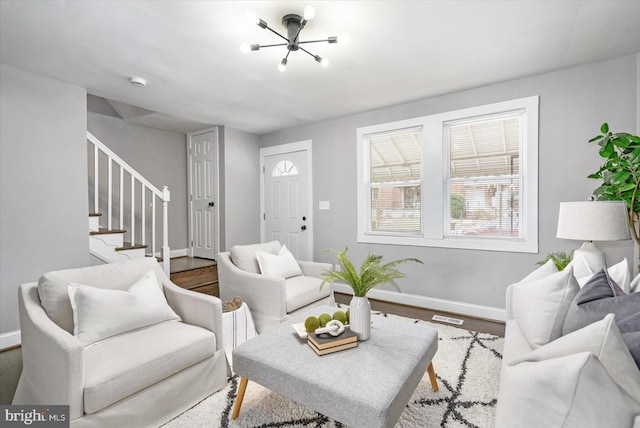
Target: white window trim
<point>434,158</point>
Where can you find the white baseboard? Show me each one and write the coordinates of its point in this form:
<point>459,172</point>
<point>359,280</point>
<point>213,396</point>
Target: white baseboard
<point>182,252</point>
<point>478,311</point>
<point>10,339</point>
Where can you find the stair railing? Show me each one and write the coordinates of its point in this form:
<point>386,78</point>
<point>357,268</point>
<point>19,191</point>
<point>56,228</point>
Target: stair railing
<point>135,177</point>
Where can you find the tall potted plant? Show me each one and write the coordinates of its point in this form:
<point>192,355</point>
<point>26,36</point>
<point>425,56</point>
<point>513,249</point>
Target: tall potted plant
<point>620,173</point>
<point>372,274</point>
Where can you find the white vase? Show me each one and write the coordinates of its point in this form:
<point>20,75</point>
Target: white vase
<point>360,317</point>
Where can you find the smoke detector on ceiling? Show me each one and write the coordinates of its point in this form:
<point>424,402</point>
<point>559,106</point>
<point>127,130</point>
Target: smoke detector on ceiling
<point>138,81</point>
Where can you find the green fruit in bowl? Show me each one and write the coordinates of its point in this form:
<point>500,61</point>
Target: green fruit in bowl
<point>324,319</point>
<point>340,316</point>
<point>311,323</point>
<point>347,314</point>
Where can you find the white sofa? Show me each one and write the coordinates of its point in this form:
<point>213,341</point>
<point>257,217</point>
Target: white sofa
<point>540,385</point>
<point>271,299</point>
<point>140,378</point>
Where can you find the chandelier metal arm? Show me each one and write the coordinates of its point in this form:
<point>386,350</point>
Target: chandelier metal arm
<point>315,41</point>
<point>307,52</point>
<point>270,46</point>
<point>276,33</point>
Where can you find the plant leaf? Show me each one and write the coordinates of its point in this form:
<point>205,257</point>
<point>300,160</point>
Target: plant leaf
<point>604,128</point>
<point>596,138</point>
<point>607,150</point>
<point>621,141</point>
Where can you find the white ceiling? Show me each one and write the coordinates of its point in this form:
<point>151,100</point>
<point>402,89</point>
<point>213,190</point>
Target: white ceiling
<point>399,51</point>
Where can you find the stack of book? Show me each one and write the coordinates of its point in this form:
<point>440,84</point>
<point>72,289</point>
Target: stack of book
<point>326,344</point>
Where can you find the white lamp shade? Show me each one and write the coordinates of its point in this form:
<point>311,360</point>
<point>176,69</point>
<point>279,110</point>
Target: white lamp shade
<point>593,221</point>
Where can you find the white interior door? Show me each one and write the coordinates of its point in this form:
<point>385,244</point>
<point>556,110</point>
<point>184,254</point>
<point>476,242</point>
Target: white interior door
<point>286,179</point>
<point>203,188</point>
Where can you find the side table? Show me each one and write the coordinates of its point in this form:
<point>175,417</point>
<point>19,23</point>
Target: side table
<point>237,327</point>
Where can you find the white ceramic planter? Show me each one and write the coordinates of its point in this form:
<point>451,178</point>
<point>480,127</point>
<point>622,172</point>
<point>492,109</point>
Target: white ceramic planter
<point>360,317</point>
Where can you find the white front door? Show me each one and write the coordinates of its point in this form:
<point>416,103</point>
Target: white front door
<point>203,189</point>
<point>286,202</point>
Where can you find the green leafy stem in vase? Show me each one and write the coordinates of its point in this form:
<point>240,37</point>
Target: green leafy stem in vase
<point>372,273</point>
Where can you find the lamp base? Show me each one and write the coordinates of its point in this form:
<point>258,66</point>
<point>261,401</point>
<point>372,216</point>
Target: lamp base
<point>592,255</point>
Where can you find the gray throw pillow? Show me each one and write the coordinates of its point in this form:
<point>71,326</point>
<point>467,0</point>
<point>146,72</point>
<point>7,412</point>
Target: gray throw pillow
<point>601,296</point>
<point>630,329</point>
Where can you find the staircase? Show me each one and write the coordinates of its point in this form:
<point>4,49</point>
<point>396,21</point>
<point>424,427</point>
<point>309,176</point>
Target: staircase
<point>128,231</point>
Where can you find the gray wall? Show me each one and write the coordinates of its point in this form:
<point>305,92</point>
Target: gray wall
<point>160,156</point>
<point>573,104</point>
<point>43,182</point>
<point>241,183</point>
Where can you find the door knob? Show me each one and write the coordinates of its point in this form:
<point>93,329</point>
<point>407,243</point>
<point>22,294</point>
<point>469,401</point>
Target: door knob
<point>303,227</point>
<point>211,204</point>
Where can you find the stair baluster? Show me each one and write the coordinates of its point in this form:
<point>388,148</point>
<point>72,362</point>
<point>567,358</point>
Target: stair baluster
<point>163,195</point>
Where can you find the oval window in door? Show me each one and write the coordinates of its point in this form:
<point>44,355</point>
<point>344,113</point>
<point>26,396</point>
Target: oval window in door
<point>284,168</point>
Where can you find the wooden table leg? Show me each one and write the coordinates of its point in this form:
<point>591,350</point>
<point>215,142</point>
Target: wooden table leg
<point>432,376</point>
<point>240,397</point>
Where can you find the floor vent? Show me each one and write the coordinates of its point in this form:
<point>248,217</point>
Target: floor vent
<point>448,320</point>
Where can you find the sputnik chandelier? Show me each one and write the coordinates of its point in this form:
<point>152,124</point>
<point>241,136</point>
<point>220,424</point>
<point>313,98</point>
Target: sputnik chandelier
<point>294,24</point>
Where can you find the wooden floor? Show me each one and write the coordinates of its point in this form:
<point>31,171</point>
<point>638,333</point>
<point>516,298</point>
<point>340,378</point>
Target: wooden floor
<point>470,323</point>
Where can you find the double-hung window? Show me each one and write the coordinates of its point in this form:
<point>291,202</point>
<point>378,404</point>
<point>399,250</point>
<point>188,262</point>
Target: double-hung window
<point>460,179</point>
<point>395,181</point>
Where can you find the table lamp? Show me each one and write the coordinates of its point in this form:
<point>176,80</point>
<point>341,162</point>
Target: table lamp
<point>590,221</point>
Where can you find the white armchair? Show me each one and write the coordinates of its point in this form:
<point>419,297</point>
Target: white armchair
<point>271,299</point>
<point>141,378</point>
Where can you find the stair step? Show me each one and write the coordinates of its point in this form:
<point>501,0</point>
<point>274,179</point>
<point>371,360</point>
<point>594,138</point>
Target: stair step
<point>95,214</point>
<point>104,231</point>
<point>199,275</point>
<point>128,246</point>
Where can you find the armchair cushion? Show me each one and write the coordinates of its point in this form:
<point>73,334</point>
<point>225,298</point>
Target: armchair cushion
<point>123,365</point>
<point>282,265</point>
<point>244,256</point>
<point>303,290</point>
<point>99,314</point>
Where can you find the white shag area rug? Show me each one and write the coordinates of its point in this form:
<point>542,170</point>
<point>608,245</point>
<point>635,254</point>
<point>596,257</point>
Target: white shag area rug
<point>467,365</point>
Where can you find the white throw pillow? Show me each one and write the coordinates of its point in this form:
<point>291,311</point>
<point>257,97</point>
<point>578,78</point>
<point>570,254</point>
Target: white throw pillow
<point>618,272</point>
<point>580,266</point>
<point>549,268</point>
<point>283,264</point>
<point>541,306</point>
<point>604,340</point>
<point>100,313</point>
<point>634,287</point>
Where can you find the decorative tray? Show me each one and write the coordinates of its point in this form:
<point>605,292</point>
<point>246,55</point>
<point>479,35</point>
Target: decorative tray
<point>299,328</point>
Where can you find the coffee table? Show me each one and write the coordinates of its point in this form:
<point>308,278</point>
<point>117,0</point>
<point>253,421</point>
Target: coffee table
<point>367,386</point>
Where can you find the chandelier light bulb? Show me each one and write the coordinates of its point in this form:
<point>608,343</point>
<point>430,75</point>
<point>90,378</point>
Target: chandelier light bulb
<point>344,39</point>
<point>283,65</point>
<point>309,12</point>
<point>322,61</point>
<point>252,17</point>
<point>244,48</point>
